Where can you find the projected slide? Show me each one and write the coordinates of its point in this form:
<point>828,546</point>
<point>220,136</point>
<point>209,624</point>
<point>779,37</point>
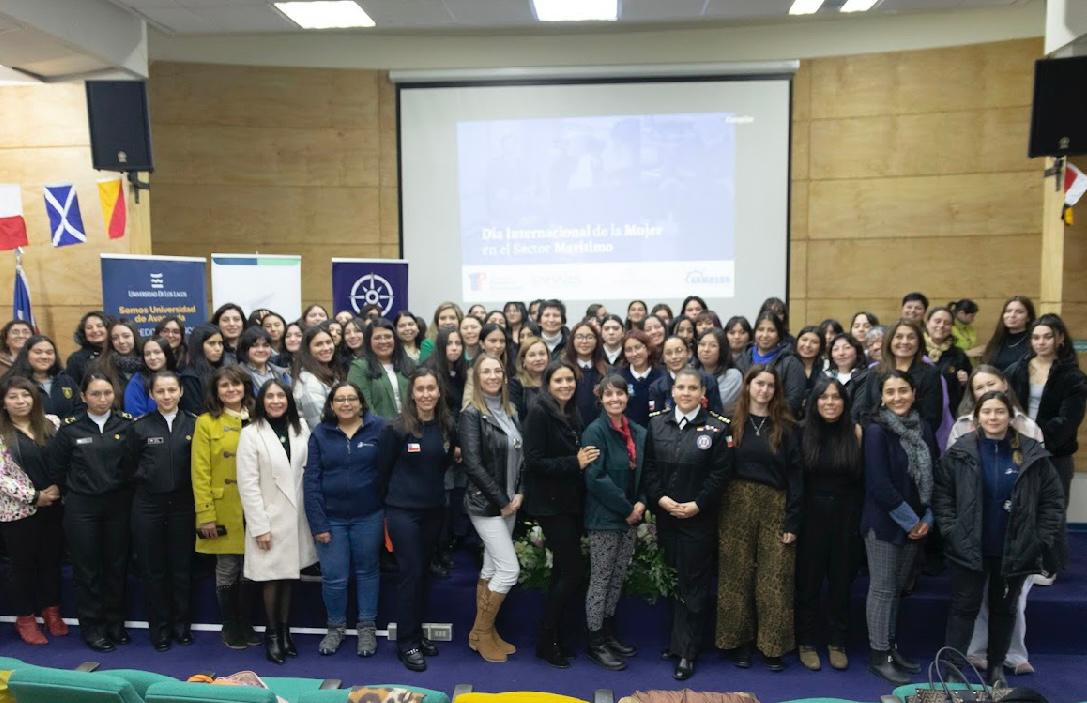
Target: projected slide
<point>595,207</point>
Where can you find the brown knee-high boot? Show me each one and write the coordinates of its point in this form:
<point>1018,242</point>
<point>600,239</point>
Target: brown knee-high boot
<point>481,638</point>
<point>481,586</point>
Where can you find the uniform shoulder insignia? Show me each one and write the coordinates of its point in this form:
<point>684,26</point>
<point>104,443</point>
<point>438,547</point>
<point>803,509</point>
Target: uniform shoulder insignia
<point>189,413</point>
<point>655,413</point>
<point>722,418</point>
<point>126,415</point>
<point>70,419</point>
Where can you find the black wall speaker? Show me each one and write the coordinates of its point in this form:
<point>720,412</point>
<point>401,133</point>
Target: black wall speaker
<point>1057,124</point>
<point>120,125</point>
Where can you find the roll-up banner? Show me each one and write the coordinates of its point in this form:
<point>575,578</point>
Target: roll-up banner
<point>255,281</point>
<point>357,283</point>
<point>146,289</point>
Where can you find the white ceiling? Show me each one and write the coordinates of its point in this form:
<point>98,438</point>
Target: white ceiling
<point>258,16</point>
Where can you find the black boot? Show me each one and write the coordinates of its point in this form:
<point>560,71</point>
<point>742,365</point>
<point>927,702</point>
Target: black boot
<point>902,662</point>
<point>246,597</point>
<point>881,663</point>
<point>623,650</point>
<point>273,644</point>
<point>602,654</point>
<point>288,642</point>
<point>228,608</point>
<point>547,648</point>
<point>995,675</point>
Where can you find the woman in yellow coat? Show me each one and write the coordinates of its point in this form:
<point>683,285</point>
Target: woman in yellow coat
<point>219,523</point>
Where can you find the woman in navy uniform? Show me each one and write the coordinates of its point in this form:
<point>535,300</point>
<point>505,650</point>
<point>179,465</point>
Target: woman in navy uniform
<point>87,457</point>
<point>160,454</point>
<point>688,455</point>
<point>39,362</point>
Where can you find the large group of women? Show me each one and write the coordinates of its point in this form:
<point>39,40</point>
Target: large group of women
<point>782,460</point>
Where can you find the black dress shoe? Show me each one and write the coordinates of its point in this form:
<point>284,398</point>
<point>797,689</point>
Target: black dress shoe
<point>161,644</point>
<point>413,659</point>
<point>100,643</point>
<point>160,638</point>
<point>774,664</point>
<point>908,665</point>
<point>684,669</point>
<point>666,655</point>
<point>183,634</point>
<point>288,642</point>
<point>428,648</point>
<point>118,634</point>
<point>741,656</point>
<point>549,651</point>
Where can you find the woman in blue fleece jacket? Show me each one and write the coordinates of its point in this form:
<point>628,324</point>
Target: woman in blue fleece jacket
<point>342,489</point>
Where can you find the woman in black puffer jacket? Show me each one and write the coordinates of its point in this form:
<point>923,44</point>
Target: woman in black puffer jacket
<point>999,506</point>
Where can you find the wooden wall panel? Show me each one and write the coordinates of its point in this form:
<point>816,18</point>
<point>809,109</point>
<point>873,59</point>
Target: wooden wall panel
<point>246,96</point>
<point>243,216</point>
<point>994,75</point>
<point>970,141</point>
<point>268,156</point>
<point>947,276</point>
<point>925,206</point>
<point>276,160</point>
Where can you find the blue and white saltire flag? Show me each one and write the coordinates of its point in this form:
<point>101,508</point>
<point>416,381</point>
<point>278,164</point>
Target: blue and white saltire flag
<point>65,221</point>
<point>20,299</point>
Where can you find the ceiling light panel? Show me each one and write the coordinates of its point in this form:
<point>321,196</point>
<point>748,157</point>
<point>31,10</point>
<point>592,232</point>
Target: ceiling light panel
<point>326,14</point>
<point>858,5</point>
<point>576,10</point>
<point>805,7</point>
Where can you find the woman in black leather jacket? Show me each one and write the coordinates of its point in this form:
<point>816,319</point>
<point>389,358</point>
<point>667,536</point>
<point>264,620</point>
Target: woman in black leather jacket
<point>555,464</point>
<point>491,456</point>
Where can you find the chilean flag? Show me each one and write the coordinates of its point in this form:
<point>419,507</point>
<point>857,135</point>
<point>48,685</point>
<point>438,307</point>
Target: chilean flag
<point>12,224</point>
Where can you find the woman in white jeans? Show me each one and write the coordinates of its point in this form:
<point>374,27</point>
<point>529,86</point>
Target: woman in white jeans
<point>492,457</point>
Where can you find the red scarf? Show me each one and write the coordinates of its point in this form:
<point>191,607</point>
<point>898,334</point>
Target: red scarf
<point>623,428</point>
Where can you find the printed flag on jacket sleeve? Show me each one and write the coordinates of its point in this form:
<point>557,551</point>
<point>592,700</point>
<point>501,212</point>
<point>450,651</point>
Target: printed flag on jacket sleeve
<point>20,300</point>
<point>12,223</point>
<point>111,192</point>
<point>65,221</point>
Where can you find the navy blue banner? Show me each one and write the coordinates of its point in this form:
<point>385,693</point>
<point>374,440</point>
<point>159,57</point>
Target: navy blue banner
<point>357,283</point>
<point>146,289</point>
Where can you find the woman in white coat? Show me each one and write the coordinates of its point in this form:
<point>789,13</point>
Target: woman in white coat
<point>278,544</point>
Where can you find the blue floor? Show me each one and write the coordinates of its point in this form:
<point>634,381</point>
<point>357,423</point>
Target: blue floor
<point>1057,638</point>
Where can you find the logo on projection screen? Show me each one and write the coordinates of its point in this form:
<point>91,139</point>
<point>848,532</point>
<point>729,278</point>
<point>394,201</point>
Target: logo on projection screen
<point>372,289</point>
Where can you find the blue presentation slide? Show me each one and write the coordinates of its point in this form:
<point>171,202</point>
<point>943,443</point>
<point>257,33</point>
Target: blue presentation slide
<point>579,201</point>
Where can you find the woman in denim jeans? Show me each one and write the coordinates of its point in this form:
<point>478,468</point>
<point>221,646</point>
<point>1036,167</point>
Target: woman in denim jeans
<point>345,512</point>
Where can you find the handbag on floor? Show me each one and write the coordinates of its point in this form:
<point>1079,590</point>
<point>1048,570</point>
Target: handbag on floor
<point>939,690</point>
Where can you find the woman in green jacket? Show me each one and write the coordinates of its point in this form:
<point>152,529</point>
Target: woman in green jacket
<point>614,505</point>
<point>382,371</point>
<point>218,504</point>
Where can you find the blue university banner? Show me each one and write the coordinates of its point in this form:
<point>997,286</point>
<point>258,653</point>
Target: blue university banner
<point>146,289</point>
<point>65,220</point>
<point>357,283</point>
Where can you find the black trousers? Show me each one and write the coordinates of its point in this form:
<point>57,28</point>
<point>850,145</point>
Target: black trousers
<point>562,534</point>
<point>35,545</point>
<point>97,529</point>
<point>415,535</point>
<point>827,550</point>
<point>1066,468</point>
<point>966,592</point>
<point>689,547</point>
<point>162,533</point>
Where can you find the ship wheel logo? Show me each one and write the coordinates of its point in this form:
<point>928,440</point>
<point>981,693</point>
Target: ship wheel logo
<point>372,289</point>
